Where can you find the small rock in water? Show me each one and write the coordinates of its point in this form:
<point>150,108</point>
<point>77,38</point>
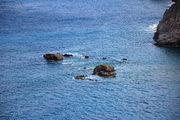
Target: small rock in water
<point>84,77</point>
<point>53,56</point>
<point>124,59</point>
<point>92,79</point>
<point>104,58</point>
<point>67,55</point>
<point>80,77</point>
<point>86,57</point>
<point>104,70</point>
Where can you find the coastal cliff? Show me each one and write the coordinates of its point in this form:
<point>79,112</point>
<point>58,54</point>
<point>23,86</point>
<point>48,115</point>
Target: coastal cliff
<point>168,29</point>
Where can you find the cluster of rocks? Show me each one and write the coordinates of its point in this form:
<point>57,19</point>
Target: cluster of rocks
<point>168,29</point>
<point>58,56</point>
<point>104,70</point>
<point>55,56</point>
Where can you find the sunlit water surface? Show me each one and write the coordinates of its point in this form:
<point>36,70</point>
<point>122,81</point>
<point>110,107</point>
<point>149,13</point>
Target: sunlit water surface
<point>147,86</point>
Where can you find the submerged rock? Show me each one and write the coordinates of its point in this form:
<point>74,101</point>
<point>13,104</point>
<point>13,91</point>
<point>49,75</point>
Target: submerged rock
<point>53,56</point>
<point>84,68</point>
<point>104,58</point>
<point>168,29</point>
<point>84,77</point>
<point>124,59</point>
<point>86,57</point>
<point>80,77</point>
<point>104,70</point>
<point>67,55</point>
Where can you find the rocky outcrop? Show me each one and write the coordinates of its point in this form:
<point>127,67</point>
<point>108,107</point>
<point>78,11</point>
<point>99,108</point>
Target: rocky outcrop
<point>53,56</point>
<point>168,29</point>
<point>104,70</point>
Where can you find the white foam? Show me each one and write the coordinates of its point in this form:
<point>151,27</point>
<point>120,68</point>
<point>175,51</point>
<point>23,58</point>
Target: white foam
<point>170,3</point>
<point>76,54</point>
<point>92,77</point>
<point>67,63</point>
<point>153,27</point>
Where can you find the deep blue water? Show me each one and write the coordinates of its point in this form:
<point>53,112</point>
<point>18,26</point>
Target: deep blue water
<point>147,86</point>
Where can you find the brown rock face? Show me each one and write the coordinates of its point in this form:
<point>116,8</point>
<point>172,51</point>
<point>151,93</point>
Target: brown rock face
<point>174,0</point>
<point>104,70</point>
<point>53,56</point>
<point>168,30</point>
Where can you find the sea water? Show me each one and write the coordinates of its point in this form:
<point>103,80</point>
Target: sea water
<point>147,85</point>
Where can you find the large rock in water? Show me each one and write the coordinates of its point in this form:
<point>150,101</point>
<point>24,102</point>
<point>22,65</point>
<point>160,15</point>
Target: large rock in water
<point>53,56</point>
<point>104,70</point>
<point>168,29</point>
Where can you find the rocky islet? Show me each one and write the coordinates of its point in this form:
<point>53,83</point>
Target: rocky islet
<point>168,29</point>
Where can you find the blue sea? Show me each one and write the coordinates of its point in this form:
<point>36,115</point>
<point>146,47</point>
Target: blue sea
<point>147,86</point>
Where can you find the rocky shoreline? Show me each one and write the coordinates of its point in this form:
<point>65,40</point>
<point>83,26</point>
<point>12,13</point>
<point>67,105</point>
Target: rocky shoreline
<point>168,29</point>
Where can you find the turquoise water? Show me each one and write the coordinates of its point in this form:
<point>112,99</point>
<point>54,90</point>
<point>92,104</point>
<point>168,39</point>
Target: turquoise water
<point>147,86</point>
